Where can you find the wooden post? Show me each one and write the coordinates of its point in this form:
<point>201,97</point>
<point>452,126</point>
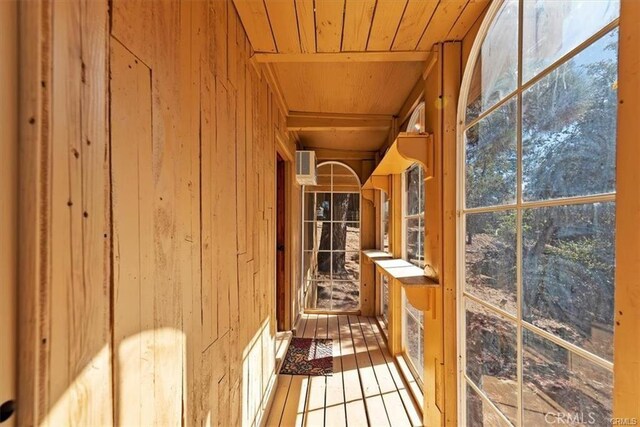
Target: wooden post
<point>626,399</point>
<point>433,329</point>
<point>450,94</point>
<point>34,18</point>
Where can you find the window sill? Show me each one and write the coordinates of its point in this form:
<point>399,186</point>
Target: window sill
<point>417,287</point>
<point>373,255</point>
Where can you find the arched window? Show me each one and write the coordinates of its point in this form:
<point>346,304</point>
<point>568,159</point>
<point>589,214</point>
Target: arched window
<point>416,121</point>
<point>537,230</point>
<point>332,239</point>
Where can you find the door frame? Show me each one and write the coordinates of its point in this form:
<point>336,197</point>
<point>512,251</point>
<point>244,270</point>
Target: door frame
<point>287,154</point>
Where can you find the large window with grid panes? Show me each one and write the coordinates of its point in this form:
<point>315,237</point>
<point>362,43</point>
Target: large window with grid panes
<point>413,250</point>
<point>537,227</point>
<point>331,239</point>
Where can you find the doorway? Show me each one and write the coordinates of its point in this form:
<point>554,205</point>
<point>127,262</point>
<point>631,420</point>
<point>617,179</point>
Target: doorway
<point>281,293</point>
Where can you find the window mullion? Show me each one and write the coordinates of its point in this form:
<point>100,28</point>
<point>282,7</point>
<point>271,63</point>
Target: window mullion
<point>519,165</point>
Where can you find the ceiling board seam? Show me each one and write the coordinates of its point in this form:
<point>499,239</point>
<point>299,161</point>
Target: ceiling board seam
<point>406,4</point>
<point>273,35</point>
<point>295,9</point>
<point>373,17</point>
<point>428,23</point>
<point>479,17</point>
<point>344,13</point>
<point>315,26</point>
<point>457,19</point>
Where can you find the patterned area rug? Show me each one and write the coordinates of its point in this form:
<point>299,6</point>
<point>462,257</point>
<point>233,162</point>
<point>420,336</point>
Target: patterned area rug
<point>308,356</point>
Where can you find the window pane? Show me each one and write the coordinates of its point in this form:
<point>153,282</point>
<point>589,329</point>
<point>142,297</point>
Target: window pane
<point>322,291</point>
<point>553,28</point>
<point>414,191</point>
<point>346,265</point>
<point>385,221</point>
<point>309,206</point>
<point>491,158</point>
<point>568,276</point>
<point>323,235</point>
<point>495,73</point>
<point>323,206</point>
<point>385,300</point>
<point>345,295</point>
<point>569,126</point>
<point>414,336</point>
<point>307,270</point>
<point>346,207</point>
<point>346,236</point>
<point>480,413</point>
<point>413,241</point>
<point>309,235</point>
<point>325,170</point>
<point>491,350</point>
<point>323,266</point>
<point>562,384</point>
<point>490,258</point>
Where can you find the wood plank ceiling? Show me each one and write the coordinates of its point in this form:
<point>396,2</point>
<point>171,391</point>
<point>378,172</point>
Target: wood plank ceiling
<point>349,58</point>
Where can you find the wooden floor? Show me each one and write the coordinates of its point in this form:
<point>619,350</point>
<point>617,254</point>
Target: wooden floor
<point>366,387</point>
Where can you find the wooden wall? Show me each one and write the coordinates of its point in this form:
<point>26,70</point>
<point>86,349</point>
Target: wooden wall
<point>151,176</point>
<point>8,207</point>
<point>626,362</point>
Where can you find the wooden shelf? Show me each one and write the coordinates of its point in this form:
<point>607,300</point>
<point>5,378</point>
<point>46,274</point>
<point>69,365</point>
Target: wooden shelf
<point>371,255</point>
<point>407,149</point>
<point>417,287</point>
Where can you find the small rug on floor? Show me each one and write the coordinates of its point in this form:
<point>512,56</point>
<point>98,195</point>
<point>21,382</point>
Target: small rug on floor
<point>308,356</point>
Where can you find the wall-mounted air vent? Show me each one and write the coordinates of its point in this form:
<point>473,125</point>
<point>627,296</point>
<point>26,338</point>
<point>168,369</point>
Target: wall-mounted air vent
<point>306,167</point>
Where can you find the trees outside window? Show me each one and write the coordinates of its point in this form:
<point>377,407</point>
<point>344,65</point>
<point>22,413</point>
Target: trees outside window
<point>537,229</point>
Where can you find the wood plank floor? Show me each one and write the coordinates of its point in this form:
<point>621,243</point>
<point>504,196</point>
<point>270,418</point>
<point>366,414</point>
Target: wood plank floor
<point>366,388</point>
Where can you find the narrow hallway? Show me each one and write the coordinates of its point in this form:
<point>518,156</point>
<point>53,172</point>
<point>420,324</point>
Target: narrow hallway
<point>366,387</point>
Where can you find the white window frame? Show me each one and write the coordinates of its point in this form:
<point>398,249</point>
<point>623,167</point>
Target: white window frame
<point>417,114</point>
<point>385,197</point>
<point>405,351</point>
<point>406,217</point>
<point>332,251</point>
<point>518,206</point>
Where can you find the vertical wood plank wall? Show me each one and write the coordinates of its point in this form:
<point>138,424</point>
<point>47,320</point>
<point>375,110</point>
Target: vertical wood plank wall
<point>626,362</point>
<point>8,207</point>
<point>151,209</point>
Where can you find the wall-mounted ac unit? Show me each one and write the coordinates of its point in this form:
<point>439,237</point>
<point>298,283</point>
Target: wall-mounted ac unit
<point>306,167</point>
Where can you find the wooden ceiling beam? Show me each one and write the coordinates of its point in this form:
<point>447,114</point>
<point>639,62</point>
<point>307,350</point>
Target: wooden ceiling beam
<point>337,122</point>
<point>400,56</point>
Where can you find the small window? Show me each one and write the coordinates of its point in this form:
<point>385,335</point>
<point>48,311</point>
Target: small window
<point>414,215</point>
<point>385,221</point>
<point>414,338</point>
<point>384,303</point>
<point>416,121</point>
